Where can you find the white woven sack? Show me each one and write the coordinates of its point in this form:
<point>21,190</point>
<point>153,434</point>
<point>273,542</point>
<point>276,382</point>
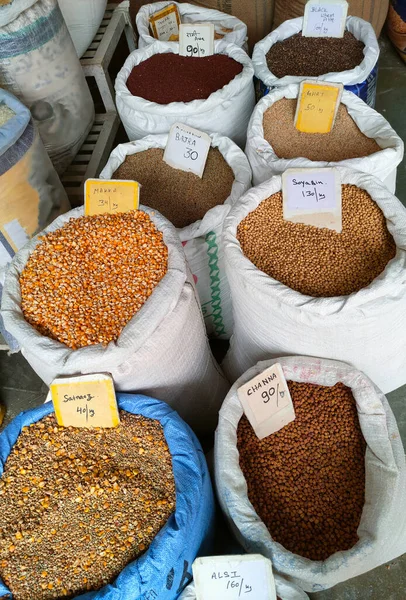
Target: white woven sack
<point>383,164</point>
<point>162,352</point>
<point>83,20</point>
<point>189,13</point>
<point>366,329</point>
<point>284,589</point>
<point>361,29</point>
<point>39,64</point>
<point>382,529</point>
<point>226,111</point>
<point>202,239</point>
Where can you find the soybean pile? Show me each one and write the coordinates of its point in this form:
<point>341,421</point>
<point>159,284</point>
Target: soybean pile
<point>317,261</point>
<point>344,141</point>
<point>181,197</point>
<point>85,281</point>
<point>301,56</point>
<point>307,481</point>
<point>165,78</point>
<point>81,504</point>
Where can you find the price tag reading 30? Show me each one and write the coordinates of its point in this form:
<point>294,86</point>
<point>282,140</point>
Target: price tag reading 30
<point>325,18</point>
<point>105,196</point>
<point>187,149</point>
<point>196,39</point>
<point>317,106</point>
<point>267,402</point>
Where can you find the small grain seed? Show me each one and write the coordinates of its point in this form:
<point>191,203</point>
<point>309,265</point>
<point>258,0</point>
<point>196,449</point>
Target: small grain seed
<point>344,141</point>
<point>181,197</point>
<point>316,261</point>
<point>301,56</point>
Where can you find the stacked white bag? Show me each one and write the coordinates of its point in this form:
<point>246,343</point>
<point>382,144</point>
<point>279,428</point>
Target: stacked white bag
<point>284,589</point>
<point>366,329</point>
<point>361,80</point>
<point>382,529</point>
<point>227,111</point>
<point>39,64</point>
<point>383,164</point>
<point>83,20</point>
<point>233,30</point>
<point>202,241</point>
<point>162,352</point>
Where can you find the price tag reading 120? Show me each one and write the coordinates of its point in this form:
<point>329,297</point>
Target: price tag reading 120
<point>187,149</point>
<point>105,196</point>
<point>196,39</point>
<point>267,402</point>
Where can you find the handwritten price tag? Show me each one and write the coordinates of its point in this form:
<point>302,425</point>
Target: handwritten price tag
<point>325,18</point>
<point>165,23</point>
<point>317,106</point>
<point>313,197</point>
<point>267,402</point>
<point>187,149</point>
<point>111,196</point>
<point>232,577</point>
<point>85,401</point>
<point>196,39</point>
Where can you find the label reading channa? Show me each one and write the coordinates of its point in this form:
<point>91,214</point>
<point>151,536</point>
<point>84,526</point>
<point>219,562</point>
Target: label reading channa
<point>313,197</point>
<point>111,196</point>
<point>324,18</point>
<point>187,149</point>
<point>165,23</point>
<point>317,106</point>
<point>85,401</point>
<point>196,39</point>
<point>234,577</point>
<point>267,402</point>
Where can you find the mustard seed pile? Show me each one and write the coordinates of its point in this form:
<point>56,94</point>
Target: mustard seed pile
<point>181,197</point>
<point>344,141</point>
<point>85,281</point>
<point>311,57</point>
<point>314,261</point>
<point>307,481</point>
<point>81,504</point>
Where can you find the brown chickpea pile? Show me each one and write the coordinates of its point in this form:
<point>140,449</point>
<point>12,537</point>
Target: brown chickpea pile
<point>317,261</point>
<point>86,280</point>
<point>307,481</point>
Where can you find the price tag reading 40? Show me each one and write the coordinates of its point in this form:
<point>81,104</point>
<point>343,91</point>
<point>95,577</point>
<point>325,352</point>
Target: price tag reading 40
<point>187,149</point>
<point>231,577</point>
<point>267,402</point>
<point>85,401</point>
<point>317,106</point>
<point>196,40</point>
<point>105,196</point>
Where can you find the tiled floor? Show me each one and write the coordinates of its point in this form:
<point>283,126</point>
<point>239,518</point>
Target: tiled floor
<point>21,389</point>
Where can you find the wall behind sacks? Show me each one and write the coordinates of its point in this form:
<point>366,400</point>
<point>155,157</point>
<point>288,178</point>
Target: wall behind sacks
<point>373,11</point>
<point>256,14</point>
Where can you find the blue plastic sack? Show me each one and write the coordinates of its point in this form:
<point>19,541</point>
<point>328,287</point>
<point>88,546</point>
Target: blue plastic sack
<point>165,569</point>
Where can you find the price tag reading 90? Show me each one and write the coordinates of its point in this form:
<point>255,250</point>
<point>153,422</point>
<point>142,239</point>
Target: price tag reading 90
<point>196,40</point>
<point>267,402</point>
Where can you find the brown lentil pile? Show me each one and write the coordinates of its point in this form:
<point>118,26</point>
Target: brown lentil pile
<point>81,504</point>
<point>344,141</point>
<point>307,481</point>
<point>317,261</point>
<point>165,78</point>
<point>311,57</point>
<point>85,281</point>
<point>181,197</point>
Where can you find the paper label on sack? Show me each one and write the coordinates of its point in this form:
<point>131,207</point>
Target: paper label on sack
<point>196,39</point>
<point>313,197</point>
<point>267,402</point>
<point>187,149</point>
<point>165,23</point>
<point>111,196</point>
<point>233,577</point>
<point>324,18</point>
<point>317,106</point>
<point>85,401</point>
